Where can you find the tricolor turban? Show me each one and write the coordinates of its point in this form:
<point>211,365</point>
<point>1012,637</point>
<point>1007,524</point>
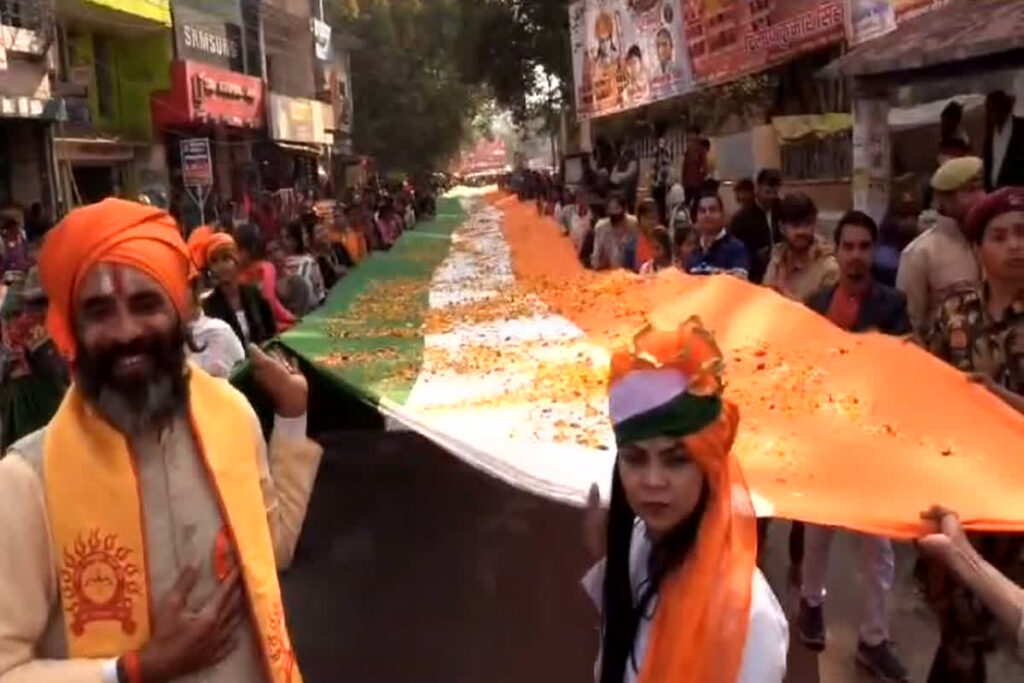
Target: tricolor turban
<point>670,383</point>
<point>113,231</point>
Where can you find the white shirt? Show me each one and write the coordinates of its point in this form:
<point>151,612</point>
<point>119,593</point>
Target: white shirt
<point>220,346</point>
<point>764,654</point>
<point>243,324</point>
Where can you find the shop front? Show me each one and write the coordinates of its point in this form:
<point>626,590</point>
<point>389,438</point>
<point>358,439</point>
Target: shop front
<point>298,156</point>
<point>227,108</point>
<point>26,169</point>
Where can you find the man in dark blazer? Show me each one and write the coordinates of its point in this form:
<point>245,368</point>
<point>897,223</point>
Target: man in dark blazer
<point>757,224</point>
<point>858,303</point>
<point>878,307</point>
<point>1004,141</point>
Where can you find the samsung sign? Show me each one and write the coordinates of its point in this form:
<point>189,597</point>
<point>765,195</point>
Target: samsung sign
<point>211,43</point>
<point>202,37</point>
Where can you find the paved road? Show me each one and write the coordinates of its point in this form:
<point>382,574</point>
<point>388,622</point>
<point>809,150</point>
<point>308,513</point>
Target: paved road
<point>414,568</point>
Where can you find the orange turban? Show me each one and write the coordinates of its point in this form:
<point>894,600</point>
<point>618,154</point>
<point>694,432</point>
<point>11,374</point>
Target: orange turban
<point>204,241</point>
<point>112,231</point>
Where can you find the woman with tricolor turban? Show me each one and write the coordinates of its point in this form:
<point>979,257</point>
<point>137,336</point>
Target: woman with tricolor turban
<point>681,596</point>
<point>239,305</point>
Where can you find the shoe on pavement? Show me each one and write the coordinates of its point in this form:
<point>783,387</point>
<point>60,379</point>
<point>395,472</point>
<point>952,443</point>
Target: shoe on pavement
<point>810,626</point>
<point>882,662</point>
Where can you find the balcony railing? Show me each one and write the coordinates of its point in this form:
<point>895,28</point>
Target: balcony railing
<point>27,25</point>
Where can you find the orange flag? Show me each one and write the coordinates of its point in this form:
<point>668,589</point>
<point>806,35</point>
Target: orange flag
<point>860,431</point>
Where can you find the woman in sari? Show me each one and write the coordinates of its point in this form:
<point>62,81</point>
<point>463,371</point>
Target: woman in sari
<point>681,596</point>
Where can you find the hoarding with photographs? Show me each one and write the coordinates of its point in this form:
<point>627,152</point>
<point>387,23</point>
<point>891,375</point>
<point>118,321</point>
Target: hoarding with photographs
<point>627,53</point>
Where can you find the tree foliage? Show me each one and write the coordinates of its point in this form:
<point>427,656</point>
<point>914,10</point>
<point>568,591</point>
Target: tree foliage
<point>520,51</point>
<point>412,108</point>
<point>426,68</point>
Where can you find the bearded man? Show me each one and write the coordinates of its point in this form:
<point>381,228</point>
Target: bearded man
<point>142,529</point>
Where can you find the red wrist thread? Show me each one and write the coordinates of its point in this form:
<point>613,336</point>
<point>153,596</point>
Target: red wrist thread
<point>132,668</point>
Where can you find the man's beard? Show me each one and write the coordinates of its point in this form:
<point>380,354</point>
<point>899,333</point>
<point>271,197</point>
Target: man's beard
<point>135,407</point>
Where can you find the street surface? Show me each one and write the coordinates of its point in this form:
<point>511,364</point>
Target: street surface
<point>414,568</point>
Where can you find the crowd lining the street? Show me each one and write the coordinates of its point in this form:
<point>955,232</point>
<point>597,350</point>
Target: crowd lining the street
<point>949,277</point>
<point>118,299</point>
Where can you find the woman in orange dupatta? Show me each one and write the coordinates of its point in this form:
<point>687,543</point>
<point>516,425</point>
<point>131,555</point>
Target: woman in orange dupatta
<point>681,596</point>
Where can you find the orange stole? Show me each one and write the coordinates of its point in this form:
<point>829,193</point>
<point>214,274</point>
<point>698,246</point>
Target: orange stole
<point>98,532</point>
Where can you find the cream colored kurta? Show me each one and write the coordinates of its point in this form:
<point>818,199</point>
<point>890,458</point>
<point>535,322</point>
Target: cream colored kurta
<point>182,518</point>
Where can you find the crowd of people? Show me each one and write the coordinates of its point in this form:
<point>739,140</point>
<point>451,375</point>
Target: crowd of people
<point>146,514</point>
<point>257,279</point>
<point>949,277</point>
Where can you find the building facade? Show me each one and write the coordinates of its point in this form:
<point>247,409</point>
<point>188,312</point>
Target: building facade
<point>97,98</point>
<point>113,55</point>
<point>29,108</point>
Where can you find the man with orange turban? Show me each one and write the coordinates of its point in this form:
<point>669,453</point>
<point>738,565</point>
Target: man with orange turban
<point>681,596</point>
<point>142,529</point>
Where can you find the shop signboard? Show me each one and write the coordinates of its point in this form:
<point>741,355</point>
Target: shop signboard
<point>627,53</point>
<point>197,171</point>
<point>201,94</point>
<point>294,119</point>
<point>869,19</point>
<point>321,38</point>
<point>208,38</point>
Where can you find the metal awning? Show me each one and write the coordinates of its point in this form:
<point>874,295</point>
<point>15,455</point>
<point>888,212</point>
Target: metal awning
<point>96,148</point>
<point>961,31</point>
<point>301,148</point>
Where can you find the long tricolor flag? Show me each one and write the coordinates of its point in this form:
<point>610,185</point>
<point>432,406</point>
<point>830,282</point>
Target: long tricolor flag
<point>481,331</point>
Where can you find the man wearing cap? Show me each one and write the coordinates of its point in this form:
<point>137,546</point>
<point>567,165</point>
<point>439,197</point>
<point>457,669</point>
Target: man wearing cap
<point>979,331</point>
<point>940,261</point>
<point>142,529</point>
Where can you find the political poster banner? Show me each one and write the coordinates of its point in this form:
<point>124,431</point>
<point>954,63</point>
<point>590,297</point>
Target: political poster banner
<point>627,53</point>
<point>728,39</point>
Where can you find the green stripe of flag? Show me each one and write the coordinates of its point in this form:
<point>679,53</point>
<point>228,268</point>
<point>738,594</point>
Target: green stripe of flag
<point>368,336</point>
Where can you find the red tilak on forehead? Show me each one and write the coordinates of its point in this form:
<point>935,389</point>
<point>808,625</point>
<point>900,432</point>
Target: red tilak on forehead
<point>118,278</point>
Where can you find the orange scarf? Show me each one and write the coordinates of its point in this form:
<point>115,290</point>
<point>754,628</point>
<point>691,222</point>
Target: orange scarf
<point>700,627</point>
<point>98,535</point>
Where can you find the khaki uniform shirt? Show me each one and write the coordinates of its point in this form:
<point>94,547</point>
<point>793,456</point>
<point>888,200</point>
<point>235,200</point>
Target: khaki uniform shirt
<point>937,264</point>
<point>800,279</point>
<point>182,519</point>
